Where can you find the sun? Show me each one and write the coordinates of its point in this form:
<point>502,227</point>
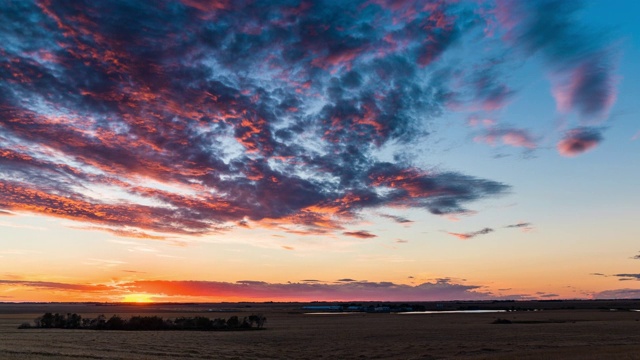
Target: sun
<point>137,298</point>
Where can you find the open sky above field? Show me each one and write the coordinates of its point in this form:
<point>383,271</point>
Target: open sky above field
<point>218,150</point>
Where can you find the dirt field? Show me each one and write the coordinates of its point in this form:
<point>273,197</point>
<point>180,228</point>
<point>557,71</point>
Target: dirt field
<point>291,334</point>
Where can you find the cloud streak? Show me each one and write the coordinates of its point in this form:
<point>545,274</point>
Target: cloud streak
<point>471,235</point>
<point>305,290</point>
<point>508,136</point>
<point>362,234</point>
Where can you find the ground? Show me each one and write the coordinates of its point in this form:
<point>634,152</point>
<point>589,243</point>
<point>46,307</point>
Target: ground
<point>558,331</point>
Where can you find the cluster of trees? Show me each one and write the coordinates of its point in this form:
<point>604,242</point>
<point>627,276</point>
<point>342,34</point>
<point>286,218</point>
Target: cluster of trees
<point>75,321</point>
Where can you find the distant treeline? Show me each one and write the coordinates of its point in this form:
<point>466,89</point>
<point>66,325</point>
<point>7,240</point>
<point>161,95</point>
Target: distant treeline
<point>75,321</point>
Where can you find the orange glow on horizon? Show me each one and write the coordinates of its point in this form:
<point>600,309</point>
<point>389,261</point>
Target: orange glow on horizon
<point>137,298</point>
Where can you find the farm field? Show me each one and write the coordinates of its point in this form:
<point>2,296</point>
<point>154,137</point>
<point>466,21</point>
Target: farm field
<point>582,333</point>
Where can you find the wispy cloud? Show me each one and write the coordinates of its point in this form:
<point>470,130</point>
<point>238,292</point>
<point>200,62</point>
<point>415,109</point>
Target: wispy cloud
<point>580,58</point>
<point>362,234</point>
<point>58,286</point>
<point>519,225</point>
<point>103,262</point>
<point>524,226</point>
<point>470,235</point>
<point>628,276</point>
<point>508,136</point>
<point>398,219</point>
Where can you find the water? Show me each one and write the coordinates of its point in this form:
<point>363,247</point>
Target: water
<point>452,312</point>
<point>412,312</point>
<point>333,313</point>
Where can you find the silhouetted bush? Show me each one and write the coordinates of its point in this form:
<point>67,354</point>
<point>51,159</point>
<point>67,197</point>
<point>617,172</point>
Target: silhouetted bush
<point>501,321</point>
<point>233,322</point>
<point>75,321</point>
<point>115,323</point>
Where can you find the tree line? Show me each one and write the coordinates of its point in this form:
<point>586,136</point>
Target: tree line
<point>75,321</point>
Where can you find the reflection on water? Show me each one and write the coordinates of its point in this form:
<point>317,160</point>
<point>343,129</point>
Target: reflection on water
<point>411,312</point>
<point>333,313</point>
<point>453,312</point>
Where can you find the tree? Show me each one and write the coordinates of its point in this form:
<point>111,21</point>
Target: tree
<point>259,320</point>
<point>73,321</point>
<point>46,320</point>
<point>115,323</point>
<point>233,322</point>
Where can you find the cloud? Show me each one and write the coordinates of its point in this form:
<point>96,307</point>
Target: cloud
<point>303,291</point>
<point>636,257</point>
<point>470,235</point>
<point>544,295</point>
<point>152,121</point>
<point>6,213</point>
<point>589,89</point>
<point>249,290</point>
<point>132,234</point>
<point>508,136</point>
<point>618,294</point>
<point>580,59</point>
<point>519,225</point>
<point>46,285</point>
<point>398,219</point>
<point>362,234</point>
<point>628,276</point>
<point>401,241</point>
<point>579,140</point>
<point>524,226</point>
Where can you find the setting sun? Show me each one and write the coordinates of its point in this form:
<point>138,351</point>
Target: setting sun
<point>137,298</point>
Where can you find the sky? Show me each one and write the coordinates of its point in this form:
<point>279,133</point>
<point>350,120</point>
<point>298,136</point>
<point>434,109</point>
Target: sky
<point>296,150</point>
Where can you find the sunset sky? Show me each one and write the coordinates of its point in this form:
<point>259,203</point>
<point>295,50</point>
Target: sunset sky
<point>221,150</point>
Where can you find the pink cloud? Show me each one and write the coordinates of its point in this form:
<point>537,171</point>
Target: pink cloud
<point>578,141</point>
<point>508,136</point>
<point>588,89</point>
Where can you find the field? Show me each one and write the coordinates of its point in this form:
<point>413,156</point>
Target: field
<point>584,330</point>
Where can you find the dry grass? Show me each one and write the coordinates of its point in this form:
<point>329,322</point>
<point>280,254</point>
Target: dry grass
<point>552,334</point>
